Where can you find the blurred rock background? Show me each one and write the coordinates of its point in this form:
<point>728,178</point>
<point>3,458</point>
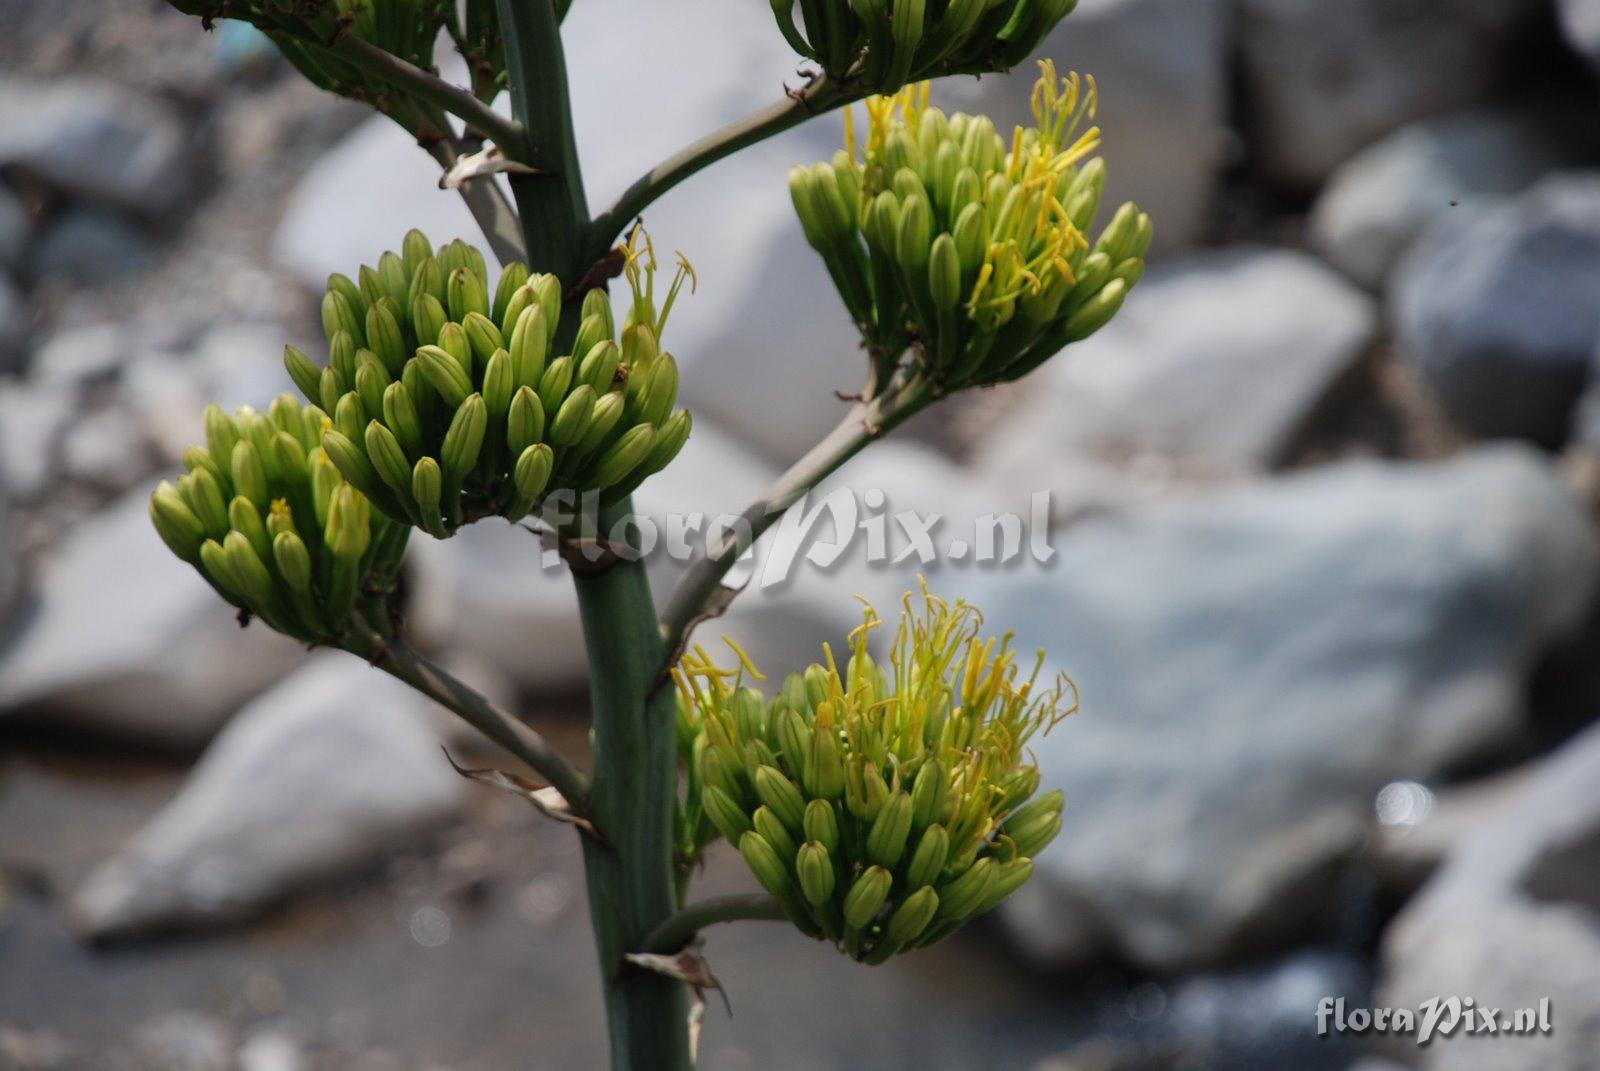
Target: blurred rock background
<point>1325,560</point>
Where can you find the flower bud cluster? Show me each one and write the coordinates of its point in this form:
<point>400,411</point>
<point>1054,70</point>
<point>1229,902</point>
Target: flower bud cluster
<point>450,403</point>
<point>266,517</point>
<point>942,236</point>
<point>883,44</point>
<point>882,807</point>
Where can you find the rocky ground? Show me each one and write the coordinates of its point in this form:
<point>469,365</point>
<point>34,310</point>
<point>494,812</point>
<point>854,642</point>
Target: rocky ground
<point>1322,512</point>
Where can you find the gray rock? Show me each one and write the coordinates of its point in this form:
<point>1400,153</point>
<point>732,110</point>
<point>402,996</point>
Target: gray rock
<point>1255,665</point>
<point>1580,22</point>
<point>183,1041</point>
<point>16,320</point>
<point>1214,363</point>
<point>82,355</point>
<point>1162,67</point>
<point>1415,838</point>
<point>331,771</point>
<point>1513,918</point>
<point>88,246</point>
<point>11,578</point>
<point>95,140</point>
<point>125,639</point>
<point>1325,80</point>
<point>1379,202</point>
<point>33,418</point>
<point>106,450</point>
<point>14,228</point>
<point>1497,310</point>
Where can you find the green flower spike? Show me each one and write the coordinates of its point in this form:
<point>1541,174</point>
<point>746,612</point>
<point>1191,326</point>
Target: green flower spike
<point>942,237</point>
<point>449,403</point>
<point>882,808</point>
<point>880,45</point>
<point>270,522</point>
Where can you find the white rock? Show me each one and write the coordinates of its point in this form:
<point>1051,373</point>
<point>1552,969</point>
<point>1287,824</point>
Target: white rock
<point>1213,364</point>
<point>106,450</point>
<point>1510,920</point>
<point>1255,665</point>
<point>33,418</point>
<point>81,355</point>
<point>126,639</point>
<point>327,773</point>
<point>1580,21</point>
<point>1382,200</point>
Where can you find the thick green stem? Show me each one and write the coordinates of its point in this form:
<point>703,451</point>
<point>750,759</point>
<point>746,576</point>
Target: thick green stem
<point>680,929</point>
<point>632,800</point>
<point>551,202</point>
<point>821,96</point>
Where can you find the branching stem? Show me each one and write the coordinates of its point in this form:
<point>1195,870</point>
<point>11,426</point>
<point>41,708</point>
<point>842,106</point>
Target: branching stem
<point>864,423</point>
<point>680,929</point>
<point>818,97</point>
<point>398,660</point>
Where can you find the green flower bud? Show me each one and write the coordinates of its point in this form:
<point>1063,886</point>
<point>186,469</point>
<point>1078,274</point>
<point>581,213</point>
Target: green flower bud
<point>573,417</point>
<point>453,340</point>
<point>400,414</point>
<point>498,384</point>
<point>865,898</point>
<point>779,793</point>
<point>1012,876</point>
<point>596,303</point>
<point>393,279</point>
<point>512,278</point>
<point>821,824</point>
<point>603,419</point>
<point>349,528</point>
<point>464,439</point>
<point>886,842</point>
<point>250,474</point>
<point>961,898</point>
<point>306,375</point>
<point>669,441</point>
<point>927,862</point>
<point>524,420</point>
<point>814,867</point>
<point>346,288</point>
<point>221,435</point>
<point>245,519</point>
<point>214,563</point>
<point>1033,836</point>
<point>944,273</point>
<point>293,560</point>
<point>533,470</point>
<point>624,456</point>
<point>725,814</point>
<point>203,495</point>
<point>427,318</point>
<point>414,249</point>
<point>388,459</point>
<point>384,338</point>
<point>482,335</point>
<point>766,823</point>
<point>928,793</point>
<point>338,315</point>
<point>465,293</point>
<point>444,374</point>
<point>529,342</point>
<point>553,386</point>
<point>912,917</point>
<point>1096,312</point>
<point>427,488</point>
<point>352,464</point>
<point>247,570</point>
<point>599,366</point>
<point>176,523</point>
<point>371,382</point>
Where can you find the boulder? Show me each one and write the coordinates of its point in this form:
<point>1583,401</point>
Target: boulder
<point>123,638</point>
<point>1512,919</point>
<point>1213,365</point>
<point>1255,664</point>
<point>332,770</point>
<point>1380,201</point>
<point>14,228</point>
<point>95,140</point>
<point>1580,23</point>
<point>33,419</point>
<point>1325,80</point>
<point>1162,67</point>
<point>1496,309</point>
<point>89,247</point>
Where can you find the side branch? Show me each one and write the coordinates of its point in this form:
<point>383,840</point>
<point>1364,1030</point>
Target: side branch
<point>488,205</point>
<point>680,929</point>
<point>404,664</point>
<point>504,132</point>
<point>865,422</point>
<point>820,96</point>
